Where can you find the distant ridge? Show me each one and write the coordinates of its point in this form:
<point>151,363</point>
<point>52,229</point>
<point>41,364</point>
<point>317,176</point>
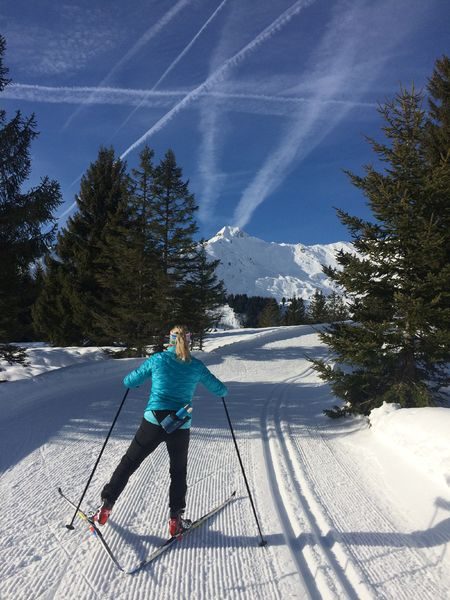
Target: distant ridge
<point>249,265</point>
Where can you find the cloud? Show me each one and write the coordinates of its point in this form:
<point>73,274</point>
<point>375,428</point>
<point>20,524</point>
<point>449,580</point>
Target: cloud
<point>220,73</point>
<point>360,33</point>
<point>45,50</point>
<point>149,34</point>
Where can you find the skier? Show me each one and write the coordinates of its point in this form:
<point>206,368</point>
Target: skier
<point>175,375</point>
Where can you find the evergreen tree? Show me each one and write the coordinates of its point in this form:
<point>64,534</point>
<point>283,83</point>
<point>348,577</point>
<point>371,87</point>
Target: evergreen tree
<point>317,309</point>
<point>437,139</point>
<point>238,302</point>
<point>436,286</point>
<point>131,268</point>
<point>296,312</point>
<point>335,308</point>
<point>173,228</point>
<point>249,308</point>
<point>270,314</point>
<point>77,274</point>
<point>395,349</point>
<point>27,226</point>
<point>52,315</point>
<point>203,295</point>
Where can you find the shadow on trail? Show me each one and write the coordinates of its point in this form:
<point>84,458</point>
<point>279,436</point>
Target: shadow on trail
<point>203,537</point>
<point>79,402</point>
<point>76,412</point>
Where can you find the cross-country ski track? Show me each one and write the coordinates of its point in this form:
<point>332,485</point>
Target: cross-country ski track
<point>337,521</point>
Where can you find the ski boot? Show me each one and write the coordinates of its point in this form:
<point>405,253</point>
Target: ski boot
<point>103,512</point>
<point>177,524</point>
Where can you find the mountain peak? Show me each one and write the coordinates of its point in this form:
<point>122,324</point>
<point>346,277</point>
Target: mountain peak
<point>231,232</point>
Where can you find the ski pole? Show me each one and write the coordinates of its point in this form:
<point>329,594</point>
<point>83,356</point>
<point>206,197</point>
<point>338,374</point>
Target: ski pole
<point>263,542</point>
<point>70,525</point>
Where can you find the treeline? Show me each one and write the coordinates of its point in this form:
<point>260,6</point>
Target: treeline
<point>259,311</point>
<point>398,347</point>
<point>124,268</point>
<point>126,265</point>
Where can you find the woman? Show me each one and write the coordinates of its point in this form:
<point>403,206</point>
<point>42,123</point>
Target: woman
<point>175,375</point>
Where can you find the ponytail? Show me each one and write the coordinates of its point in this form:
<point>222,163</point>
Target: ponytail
<point>179,332</point>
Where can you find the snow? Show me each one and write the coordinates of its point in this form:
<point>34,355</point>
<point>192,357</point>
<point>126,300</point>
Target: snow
<point>351,508</point>
<point>420,434</point>
<point>42,358</point>
<point>249,265</point>
<point>228,318</point>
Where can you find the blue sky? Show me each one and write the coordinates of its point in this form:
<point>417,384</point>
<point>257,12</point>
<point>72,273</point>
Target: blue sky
<point>264,102</point>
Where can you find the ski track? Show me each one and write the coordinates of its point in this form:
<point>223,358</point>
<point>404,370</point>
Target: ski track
<point>305,484</point>
<point>307,474</point>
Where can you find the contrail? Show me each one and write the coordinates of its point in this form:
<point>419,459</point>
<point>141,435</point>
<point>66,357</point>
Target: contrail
<point>211,177</point>
<point>174,63</point>
<point>342,55</point>
<point>207,164</point>
<point>217,75</point>
<point>276,105</point>
<point>146,37</point>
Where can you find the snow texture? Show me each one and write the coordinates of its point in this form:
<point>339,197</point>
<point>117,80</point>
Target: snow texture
<point>349,510</point>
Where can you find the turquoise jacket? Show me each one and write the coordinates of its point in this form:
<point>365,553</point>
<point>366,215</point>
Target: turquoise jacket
<point>173,382</point>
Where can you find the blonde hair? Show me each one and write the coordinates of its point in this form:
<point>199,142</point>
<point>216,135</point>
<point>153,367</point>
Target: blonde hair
<point>181,345</point>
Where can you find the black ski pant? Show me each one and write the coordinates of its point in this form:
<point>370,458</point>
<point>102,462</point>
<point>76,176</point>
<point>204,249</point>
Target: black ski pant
<point>147,439</point>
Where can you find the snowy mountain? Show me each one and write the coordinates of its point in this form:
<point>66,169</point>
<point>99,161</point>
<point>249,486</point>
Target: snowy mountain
<point>249,265</point>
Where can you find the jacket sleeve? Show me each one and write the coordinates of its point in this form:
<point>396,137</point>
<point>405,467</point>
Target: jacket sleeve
<point>214,385</point>
<point>139,375</point>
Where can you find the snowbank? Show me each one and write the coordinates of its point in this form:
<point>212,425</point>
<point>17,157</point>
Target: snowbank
<point>421,435</point>
<point>42,358</point>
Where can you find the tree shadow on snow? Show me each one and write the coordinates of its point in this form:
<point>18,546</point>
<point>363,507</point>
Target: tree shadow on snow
<point>71,417</point>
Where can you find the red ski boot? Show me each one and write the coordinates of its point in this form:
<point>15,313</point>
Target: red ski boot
<point>103,512</point>
<point>177,525</point>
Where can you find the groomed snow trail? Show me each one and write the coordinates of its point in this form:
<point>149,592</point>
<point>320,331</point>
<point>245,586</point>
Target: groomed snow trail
<point>332,530</point>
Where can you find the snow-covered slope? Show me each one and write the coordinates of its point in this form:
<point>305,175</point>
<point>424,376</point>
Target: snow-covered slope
<point>251,266</point>
<point>348,510</point>
<point>41,357</point>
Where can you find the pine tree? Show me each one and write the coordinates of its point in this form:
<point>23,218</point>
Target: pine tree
<point>437,140</point>
<point>249,308</point>
<point>27,226</point>
<point>133,268</point>
<point>394,351</point>
<point>437,153</point>
<point>335,308</point>
<point>52,315</point>
<point>296,312</point>
<point>317,309</point>
<point>77,273</point>
<point>203,295</point>
<point>270,314</point>
<point>173,228</point>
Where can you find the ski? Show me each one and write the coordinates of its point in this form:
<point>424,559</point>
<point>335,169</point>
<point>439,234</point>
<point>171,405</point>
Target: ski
<point>160,549</point>
<point>169,542</point>
<point>94,530</point>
